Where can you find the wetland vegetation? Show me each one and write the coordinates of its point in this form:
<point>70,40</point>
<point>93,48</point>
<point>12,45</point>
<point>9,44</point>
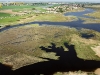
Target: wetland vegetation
<point>24,47</point>
<point>95,15</point>
<point>46,49</point>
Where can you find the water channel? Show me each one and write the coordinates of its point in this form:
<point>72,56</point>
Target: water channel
<point>76,24</point>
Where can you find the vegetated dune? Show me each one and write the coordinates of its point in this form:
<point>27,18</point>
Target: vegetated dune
<point>97,50</point>
<point>48,49</point>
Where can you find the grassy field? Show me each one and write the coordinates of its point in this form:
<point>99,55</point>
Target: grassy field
<point>95,14</point>
<point>23,8</point>
<point>13,20</point>
<point>89,20</point>
<point>18,7</point>
<point>29,8</point>
<point>4,15</point>
<point>36,17</point>
<point>9,20</point>
<point>55,18</point>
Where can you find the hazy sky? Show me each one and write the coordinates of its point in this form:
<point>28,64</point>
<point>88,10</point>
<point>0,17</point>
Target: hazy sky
<point>58,0</point>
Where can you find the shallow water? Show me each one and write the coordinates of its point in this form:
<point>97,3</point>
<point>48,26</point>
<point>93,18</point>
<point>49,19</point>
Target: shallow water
<point>81,14</point>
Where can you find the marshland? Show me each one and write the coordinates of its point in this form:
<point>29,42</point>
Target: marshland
<point>49,39</point>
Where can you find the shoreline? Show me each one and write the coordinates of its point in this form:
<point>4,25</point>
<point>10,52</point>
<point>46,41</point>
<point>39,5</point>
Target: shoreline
<point>32,19</point>
<point>37,17</point>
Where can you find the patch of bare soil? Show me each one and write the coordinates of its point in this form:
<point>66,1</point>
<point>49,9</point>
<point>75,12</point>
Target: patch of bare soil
<point>97,71</point>
<point>96,50</point>
<point>11,12</point>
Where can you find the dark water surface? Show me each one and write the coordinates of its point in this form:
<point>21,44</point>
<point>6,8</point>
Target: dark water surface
<point>76,24</point>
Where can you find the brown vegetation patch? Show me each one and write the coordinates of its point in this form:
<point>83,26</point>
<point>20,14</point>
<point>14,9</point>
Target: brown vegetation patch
<point>18,60</point>
<point>21,45</point>
<point>11,12</point>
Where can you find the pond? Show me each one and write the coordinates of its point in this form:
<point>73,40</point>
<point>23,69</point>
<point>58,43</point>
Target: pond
<point>76,24</point>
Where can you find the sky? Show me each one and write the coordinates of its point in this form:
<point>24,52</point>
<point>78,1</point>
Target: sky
<point>57,0</point>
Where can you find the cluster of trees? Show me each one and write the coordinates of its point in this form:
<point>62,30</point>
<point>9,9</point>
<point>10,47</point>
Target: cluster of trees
<point>13,3</point>
<point>60,10</point>
<point>39,3</point>
<point>16,3</point>
<point>22,3</point>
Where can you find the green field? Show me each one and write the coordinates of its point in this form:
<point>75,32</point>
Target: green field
<point>17,7</point>
<point>37,17</point>
<point>4,15</point>
<point>22,7</point>
<point>16,19</point>
<point>9,20</point>
<point>55,18</point>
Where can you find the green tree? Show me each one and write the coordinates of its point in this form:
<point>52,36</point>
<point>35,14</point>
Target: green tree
<point>33,9</point>
<point>61,10</point>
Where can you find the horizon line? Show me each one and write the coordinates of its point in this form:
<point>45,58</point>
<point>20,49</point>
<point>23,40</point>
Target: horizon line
<point>49,1</point>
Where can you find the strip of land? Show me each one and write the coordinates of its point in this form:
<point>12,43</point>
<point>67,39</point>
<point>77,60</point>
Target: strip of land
<point>95,15</point>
